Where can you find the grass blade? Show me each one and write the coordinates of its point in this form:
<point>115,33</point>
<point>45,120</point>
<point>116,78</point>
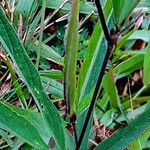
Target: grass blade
<point>122,9</point>
<point>146,66</point>
<point>28,72</point>
<point>22,127</point>
<point>111,90</point>
<point>94,58</point>
<point>123,137</point>
<point>71,58</point>
<point>41,33</point>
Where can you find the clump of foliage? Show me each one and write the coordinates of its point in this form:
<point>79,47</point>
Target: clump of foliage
<point>74,74</point>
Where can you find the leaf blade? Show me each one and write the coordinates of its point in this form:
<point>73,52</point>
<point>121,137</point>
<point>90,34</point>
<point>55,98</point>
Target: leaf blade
<point>126,135</point>
<point>28,72</point>
<point>146,66</point>
<point>15,122</point>
<point>71,59</point>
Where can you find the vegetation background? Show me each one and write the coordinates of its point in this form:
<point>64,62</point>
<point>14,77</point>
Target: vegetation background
<point>65,83</point>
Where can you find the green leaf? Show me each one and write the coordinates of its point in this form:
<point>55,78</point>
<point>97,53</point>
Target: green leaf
<point>140,34</point>
<point>122,9</point>
<point>22,127</point>
<point>79,126</point>
<point>107,118</point>
<point>123,137</point>
<point>35,119</point>
<point>52,74</point>
<point>89,73</point>
<point>128,66</point>
<point>72,42</point>
<point>135,145</point>
<point>111,90</point>
<point>46,52</point>
<point>146,65</point>
<point>94,58</point>
<point>70,141</point>
<point>30,75</point>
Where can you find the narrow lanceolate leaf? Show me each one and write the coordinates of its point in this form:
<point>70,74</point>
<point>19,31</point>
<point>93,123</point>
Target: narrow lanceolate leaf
<point>71,58</point>
<point>128,66</point>
<point>122,9</point>
<point>89,74</point>
<point>123,137</point>
<point>146,65</point>
<point>46,51</point>
<point>22,127</point>
<point>29,74</point>
<point>94,58</point>
<point>111,90</point>
<point>35,118</point>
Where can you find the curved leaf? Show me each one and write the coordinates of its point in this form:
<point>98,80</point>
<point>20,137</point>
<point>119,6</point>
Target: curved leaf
<point>122,9</point>
<point>30,75</point>
<point>34,118</point>
<point>128,66</point>
<point>94,57</point>
<point>71,58</point>
<point>111,90</point>
<point>123,137</point>
<point>22,127</point>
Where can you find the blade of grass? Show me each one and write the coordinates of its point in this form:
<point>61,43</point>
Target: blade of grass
<point>41,33</point>
<point>104,59</point>
<point>94,58</point>
<point>71,59</point>
<point>128,66</point>
<point>111,90</point>
<point>16,83</point>
<point>123,137</point>
<point>30,75</point>
<point>15,122</point>
<point>35,119</point>
<point>146,65</point>
<point>122,9</point>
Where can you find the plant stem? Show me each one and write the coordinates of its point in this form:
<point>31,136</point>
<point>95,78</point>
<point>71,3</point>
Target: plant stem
<point>109,49</point>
